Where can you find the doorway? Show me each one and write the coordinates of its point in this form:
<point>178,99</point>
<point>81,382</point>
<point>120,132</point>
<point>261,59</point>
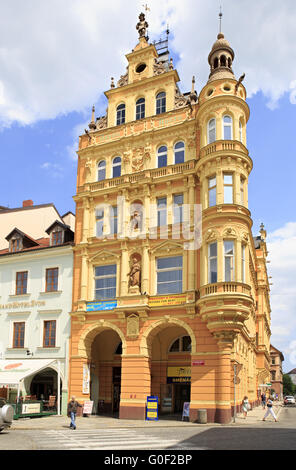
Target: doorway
<point>181,395</point>
<point>116,388</point>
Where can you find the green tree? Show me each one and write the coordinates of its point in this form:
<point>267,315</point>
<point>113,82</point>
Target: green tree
<point>289,387</point>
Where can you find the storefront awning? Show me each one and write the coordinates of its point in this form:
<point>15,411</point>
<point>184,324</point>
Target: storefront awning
<point>12,372</point>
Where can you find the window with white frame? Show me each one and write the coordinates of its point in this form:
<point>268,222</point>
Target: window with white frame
<point>105,282</point>
<point>212,263</point>
<point>178,202</point>
<point>212,191</point>
<point>169,275</point>
<point>161,211</point>
<point>140,109</point>
<point>120,114</point>
<point>116,167</point>
<point>228,188</point>
<point>227,128</point>
<point>243,263</point>
<point>99,222</point>
<point>162,156</point>
<point>161,103</point>
<point>228,260</point>
<point>211,131</point>
<point>179,152</point>
<point>113,220</point>
<point>101,170</point>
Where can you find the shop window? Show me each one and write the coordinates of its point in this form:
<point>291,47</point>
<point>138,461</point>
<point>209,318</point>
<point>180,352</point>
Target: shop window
<point>105,282</point>
<point>170,275</point>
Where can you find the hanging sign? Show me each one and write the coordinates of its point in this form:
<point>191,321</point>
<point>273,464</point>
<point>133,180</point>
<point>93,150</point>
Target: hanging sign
<point>152,409</point>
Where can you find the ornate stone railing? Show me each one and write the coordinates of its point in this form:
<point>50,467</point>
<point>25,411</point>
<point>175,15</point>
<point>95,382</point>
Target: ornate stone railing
<point>226,288</point>
<point>223,146</point>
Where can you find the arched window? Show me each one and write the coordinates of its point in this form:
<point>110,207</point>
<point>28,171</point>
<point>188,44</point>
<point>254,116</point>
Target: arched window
<point>182,344</point>
<point>162,156</point>
<point>119,348</point>
<point>179,151</point>
<point>216,63</point>
<point>116,167</point>
<point>101,170</point>
<point>240,131</point>
<point>223,61</point>
<point>211,131</point>
<point>140,108</point>
<point>161,103</point>
<point>227,128</point>
<point>120,114</point>
<point>229,62</point>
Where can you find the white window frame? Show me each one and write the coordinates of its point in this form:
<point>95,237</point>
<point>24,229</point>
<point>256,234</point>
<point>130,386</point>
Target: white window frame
<point>169,269</point>
<point>225,256</point>
<point>210,129</point>
<point>227,124</point>
<point>209,261</point>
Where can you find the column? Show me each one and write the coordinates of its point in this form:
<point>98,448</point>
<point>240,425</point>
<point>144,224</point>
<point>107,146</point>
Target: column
<point>84,277</point>
<point>124,270</point>
<point>224,376</point>
<point>85,230</point>
<point>145,270</point>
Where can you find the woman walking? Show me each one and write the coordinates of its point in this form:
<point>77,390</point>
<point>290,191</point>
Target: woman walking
<point>269,410</point>
<point>245,408</point>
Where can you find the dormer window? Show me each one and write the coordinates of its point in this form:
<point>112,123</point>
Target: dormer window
<point>57,238</point>
<point>15,245</point>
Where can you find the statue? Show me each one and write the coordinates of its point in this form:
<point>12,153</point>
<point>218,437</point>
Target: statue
<point>136,221</point>
<point>135,274</point>
<point>142,26</point>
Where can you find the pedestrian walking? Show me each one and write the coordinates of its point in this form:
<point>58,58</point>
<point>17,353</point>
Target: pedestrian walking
<point>269,410</point>
<point>263,401</point>
<point>72,410</point>
<point>246,406</point>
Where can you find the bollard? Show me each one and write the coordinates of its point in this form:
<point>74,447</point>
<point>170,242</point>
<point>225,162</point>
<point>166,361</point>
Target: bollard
<point>202,416</point>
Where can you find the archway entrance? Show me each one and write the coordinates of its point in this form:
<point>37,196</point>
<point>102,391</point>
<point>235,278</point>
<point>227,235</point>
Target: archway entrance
<point>105,386</point>
<point>171,369</point>
<point>44,384</point>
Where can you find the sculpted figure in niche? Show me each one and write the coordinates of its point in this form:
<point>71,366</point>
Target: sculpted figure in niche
<point>135,274</point>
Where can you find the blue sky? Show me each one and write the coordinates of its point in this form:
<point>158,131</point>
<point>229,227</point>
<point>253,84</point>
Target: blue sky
<point>57,58</point>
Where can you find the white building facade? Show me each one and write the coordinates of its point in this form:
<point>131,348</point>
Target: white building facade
<point>35,301</point>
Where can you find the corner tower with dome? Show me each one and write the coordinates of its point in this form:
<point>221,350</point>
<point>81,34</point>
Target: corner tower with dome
<point>155,313</point>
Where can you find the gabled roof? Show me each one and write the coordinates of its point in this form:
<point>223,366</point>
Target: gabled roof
<point>23,235</point>
<point>57,222</point>
<point>293,371</point>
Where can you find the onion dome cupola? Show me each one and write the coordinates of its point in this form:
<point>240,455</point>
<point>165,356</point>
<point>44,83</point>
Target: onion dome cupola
<point>220,60</point>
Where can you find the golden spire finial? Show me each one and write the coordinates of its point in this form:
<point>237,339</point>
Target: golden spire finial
<point>220,20</point>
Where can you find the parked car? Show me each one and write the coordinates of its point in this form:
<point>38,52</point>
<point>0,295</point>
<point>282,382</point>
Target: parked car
<point>6,415</point>
<point>289,400</point>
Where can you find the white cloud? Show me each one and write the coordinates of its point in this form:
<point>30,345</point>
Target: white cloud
<point>57,57</point>
<point>54,169</point>
<point>282,254</point>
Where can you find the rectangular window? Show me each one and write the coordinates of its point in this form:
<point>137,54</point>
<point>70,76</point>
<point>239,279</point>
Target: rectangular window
<point>170,275</point>
<point>16,244</point>
<point>52,276</point>
<point>212,191</point>
<point>105,282</point>
<point>228,188</point>
<point>99,223</point>
<point>57,238</point>
<point>228,261</point>
<point>242,191</point>
<point>19,335</point>
<point>161,212</point>
<point>178,208</point>
<point>243,263</point>
<point>49,334</point>
<point>212,263</point>
<point>21,283</point>
<point>113,220</point>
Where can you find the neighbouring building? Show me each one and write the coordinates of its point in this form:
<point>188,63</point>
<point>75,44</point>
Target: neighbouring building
<point>276,371</point>
<point>35,301</point>
<point>292,374</point>
<point>170,288</point>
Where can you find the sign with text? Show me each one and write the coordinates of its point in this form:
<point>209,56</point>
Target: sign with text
<point>88,407</point>
<point>152,409</point>
<point>101,306</point>
<point>30,408</point>
<point>164,300</point>
<point>179,375</point>
<point>198,363</point>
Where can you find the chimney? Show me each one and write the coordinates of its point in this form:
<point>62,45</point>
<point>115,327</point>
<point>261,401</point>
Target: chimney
<point>28,203</point>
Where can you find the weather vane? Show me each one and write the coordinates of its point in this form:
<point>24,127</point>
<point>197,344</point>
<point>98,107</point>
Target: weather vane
<point>146,7</point>
<point>220,18</point>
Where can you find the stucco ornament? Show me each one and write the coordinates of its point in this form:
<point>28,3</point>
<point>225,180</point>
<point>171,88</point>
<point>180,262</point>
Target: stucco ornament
<point>123,80</point>
<point>142,26</point>
<point>158,68</point>
<point>132,325</point>
<point>102,123</point>
<point>135,274</point>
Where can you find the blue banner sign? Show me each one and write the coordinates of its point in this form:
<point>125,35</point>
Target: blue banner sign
<point>152,409</point>
<point>99,306</point>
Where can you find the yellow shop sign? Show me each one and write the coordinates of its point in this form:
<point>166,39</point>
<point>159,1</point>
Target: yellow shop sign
<point>179,371</point>
<point>163,300</point>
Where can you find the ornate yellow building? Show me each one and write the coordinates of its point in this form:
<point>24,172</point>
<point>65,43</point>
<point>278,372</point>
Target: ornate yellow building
<point>170,288</point>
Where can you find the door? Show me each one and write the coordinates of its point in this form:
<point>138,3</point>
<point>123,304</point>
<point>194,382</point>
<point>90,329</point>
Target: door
<point>182,395</point>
